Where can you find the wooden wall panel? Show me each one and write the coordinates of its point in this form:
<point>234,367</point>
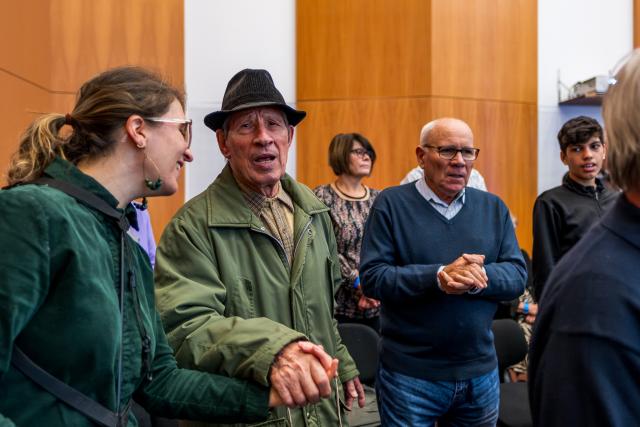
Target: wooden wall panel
<point>362,48</point>
<point>56,45</point>
<point>391,125</point>
<point>485,49</point>
<point>508,151</point>
<point>636,23</point>
<point>384,68</point>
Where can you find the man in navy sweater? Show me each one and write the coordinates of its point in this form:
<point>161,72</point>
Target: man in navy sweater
<point>440,257</point>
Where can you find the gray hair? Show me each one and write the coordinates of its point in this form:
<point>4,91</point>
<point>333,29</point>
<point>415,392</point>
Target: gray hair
<point>622,125</point>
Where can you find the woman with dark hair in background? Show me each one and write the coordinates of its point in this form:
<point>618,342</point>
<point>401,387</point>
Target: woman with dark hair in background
<point>76,292</point>
<point>351,156</point>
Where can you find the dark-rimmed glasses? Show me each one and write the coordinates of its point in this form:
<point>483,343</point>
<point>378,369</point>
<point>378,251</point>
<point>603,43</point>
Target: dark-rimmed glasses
<point>449,152</point>
<point>185,128</point>
<point>361,152</point>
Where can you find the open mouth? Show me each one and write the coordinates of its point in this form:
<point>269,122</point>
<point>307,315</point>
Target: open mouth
<point>589,167</point>
<point>456,175</point>
<point>264,159</point>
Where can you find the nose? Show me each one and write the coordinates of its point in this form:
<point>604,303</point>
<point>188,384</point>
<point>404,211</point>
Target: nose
<point>458,158</point>
<point>262,137</point>
<point>188,155</point>
<point>587,153</point>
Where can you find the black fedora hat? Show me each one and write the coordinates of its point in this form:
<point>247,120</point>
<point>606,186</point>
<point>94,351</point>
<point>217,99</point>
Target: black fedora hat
<point>249,89</point>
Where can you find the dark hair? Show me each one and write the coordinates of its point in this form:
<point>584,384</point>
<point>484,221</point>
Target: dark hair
<point>578,131</point>
<point>103,105</point>
<point>340,151</point>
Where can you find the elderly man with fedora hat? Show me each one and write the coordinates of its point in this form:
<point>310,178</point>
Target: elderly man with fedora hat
<point>247,270</point>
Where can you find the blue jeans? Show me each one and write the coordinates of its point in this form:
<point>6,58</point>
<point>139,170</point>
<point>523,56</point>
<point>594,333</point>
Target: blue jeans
<point>406,401</point>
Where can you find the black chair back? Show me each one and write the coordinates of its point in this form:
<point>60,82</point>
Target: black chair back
<point>511,346</point>
<point>362,343</point>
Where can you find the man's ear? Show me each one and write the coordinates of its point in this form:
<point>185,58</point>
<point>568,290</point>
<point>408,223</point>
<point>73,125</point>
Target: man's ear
<point>222,144</point>
<point>136,129</point>
<point>419,154</point>
<point>290,135</point>
<point>563,157</point>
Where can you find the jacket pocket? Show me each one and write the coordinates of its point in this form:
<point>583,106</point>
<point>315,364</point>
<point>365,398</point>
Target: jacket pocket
<point>241,299</point>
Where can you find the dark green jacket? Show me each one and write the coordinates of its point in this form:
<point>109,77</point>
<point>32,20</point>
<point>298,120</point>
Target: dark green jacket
<point>229,301</point>
<point>59,274</point>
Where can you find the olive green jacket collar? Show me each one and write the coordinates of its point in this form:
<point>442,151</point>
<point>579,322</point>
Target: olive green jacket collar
<point>226,206</point>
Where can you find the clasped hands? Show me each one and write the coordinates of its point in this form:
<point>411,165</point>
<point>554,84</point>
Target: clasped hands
<point>302,374</point>
<point>464,274</point>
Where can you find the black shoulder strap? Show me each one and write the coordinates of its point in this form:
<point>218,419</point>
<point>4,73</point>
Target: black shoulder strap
<point>66,393</point>
<point>87,198</point>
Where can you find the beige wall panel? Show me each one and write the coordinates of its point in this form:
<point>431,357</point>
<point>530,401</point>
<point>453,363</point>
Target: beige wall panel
<point>392,125</point>
<point>362,48</point>
<point>485,49</point>
<point>56,45</point>
<point>506,136</point>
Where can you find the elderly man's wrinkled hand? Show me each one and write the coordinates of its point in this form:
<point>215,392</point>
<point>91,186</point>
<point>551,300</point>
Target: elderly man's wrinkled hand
<point>300,378</point>
<point>451,284</point>
<point>464,274</point>
<point>353,390</point>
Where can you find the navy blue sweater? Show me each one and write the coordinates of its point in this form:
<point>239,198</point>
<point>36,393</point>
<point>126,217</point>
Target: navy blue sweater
<point>425,332</point>
<point>584,365</point>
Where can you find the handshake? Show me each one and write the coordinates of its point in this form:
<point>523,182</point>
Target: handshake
<point>301,374</point>
<point>464,275</point>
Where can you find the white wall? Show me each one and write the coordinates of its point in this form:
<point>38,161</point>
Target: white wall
<point>223,37</point>
<point>581,38</point>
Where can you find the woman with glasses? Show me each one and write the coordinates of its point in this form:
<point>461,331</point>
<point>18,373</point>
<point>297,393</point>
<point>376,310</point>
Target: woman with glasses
<point>351,156</point>
<point>79,333</point>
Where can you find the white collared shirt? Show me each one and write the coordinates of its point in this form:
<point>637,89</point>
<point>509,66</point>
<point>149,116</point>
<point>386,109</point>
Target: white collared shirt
<point>447,210</point>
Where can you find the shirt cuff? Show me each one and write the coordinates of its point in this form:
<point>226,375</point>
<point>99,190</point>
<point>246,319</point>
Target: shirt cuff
<point>438,277</point>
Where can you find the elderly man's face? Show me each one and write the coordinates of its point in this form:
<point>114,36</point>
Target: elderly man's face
<point>257,147</point>
<point>446,177</point>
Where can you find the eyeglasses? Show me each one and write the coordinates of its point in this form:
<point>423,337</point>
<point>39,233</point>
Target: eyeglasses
<point>361,152</point>
<point>185,128</point>
<point>449,153</point>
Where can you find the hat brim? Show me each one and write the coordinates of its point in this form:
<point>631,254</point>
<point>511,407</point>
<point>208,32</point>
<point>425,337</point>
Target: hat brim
<point>215,120</point>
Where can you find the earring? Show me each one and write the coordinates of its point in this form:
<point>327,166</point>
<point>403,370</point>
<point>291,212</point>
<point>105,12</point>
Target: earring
<point>151,185</point>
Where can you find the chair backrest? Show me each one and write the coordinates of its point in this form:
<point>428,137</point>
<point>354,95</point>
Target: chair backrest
<point>508,339</point>
<point>362,343</point>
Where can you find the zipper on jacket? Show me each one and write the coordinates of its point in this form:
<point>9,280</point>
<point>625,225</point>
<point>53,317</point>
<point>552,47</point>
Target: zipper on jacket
<point>304,230</point>
<point>281,251</point>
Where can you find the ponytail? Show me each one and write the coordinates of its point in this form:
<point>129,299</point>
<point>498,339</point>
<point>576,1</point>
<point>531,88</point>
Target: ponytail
<point>39,145</point>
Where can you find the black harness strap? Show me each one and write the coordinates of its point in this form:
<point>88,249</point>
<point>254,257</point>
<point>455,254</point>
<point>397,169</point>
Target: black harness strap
<point>68,394</point>
<point>28,367</point>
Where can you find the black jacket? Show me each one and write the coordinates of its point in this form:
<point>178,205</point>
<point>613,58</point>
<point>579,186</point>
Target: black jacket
<point>561,216</point>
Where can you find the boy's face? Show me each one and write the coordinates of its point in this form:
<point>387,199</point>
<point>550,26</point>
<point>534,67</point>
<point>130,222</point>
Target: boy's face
<point>584,160</point>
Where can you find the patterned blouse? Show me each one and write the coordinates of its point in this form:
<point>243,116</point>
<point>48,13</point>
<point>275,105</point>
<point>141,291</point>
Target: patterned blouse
<point>348,217</point>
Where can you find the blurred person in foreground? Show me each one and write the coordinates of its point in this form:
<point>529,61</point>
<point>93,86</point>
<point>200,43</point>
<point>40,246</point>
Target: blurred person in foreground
<point>585,350</point>
<point>351,157</point>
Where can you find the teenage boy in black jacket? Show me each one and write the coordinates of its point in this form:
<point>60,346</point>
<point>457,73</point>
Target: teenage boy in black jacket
<point>562,215</point>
